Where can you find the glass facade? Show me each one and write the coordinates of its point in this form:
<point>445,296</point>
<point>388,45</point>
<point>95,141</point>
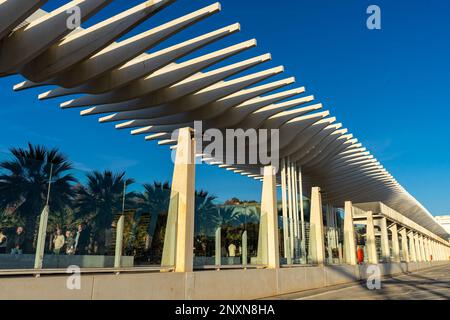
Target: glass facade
<point>77,217</point>
<point>294,235</point>
<point>226,234</point>
<point>53,216</point>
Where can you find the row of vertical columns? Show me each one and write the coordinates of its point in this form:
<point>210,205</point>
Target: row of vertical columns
<point>349,235</point>
<point>292,210</point>
<point>316,236</point>
<point>415,247</point>
<point>370,239</point>
<point>284,208</point>
<point>412,247</point>
<point>405,247</point>
<point>332,232</point>
<point>179,236</point>
<point>385,250</point>
<point>395,243</point>
<point>270,212</point>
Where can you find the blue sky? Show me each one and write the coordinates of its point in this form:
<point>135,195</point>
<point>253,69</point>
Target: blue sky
<point>389,87</point>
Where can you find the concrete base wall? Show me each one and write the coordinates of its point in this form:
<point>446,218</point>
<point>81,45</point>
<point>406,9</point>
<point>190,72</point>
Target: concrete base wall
<point>52,261</point>
<point>217,285</point>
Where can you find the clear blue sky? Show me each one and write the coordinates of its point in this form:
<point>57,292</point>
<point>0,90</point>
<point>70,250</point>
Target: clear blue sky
<point>391,88</point>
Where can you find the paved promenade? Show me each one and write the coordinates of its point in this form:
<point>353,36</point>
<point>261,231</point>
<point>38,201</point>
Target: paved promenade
<point>429,284</point>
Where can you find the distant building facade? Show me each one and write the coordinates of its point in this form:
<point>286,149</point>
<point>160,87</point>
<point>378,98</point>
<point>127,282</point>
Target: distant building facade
<point>444,221</point>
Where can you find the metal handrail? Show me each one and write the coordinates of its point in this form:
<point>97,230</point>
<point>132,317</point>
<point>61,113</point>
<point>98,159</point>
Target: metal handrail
<point>34,272</point>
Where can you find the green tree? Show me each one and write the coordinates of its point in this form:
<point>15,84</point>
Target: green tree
<point>102,198</point>
<point>206,213</point>
<point>155,201</point>
<point>24,183</point>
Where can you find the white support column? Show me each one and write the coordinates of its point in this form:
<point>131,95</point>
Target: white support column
<point>441,253</point>
<point>425,247</point>
<point>284,210</point>
<point>302,214</point>
<point>430,249</point>
<point>290,208</point>
<point>349,235</point>
<point>422,248</point>
<point>412,247</point>
<point>370,239</point>
<point>395,243</point>
<point>244,248</point>
<point>218,247</point>
<point>295,197</point>
<point>316,236</point>
<point>385,250</point>
<point>268,251</point>
<point>436,251</point>
<point>119,242</point>
<point>417,247</point>
<point>179,238</point>
<point>405,248</point>
<point>435,254</point>
<point>39,256</point>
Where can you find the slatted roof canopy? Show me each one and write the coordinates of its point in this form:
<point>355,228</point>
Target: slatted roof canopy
<point>152,93</point>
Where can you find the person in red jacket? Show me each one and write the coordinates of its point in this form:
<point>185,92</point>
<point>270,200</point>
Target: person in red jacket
<point>360,254</point>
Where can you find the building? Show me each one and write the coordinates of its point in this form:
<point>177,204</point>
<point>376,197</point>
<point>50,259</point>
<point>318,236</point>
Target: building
<point>444,221</point>
<point>323,171</point>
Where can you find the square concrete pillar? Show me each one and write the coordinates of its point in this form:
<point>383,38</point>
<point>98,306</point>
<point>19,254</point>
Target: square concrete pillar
<point>405,249</point>
<point>370,239</point>
<point>412,247</point>
<point>349,235</point>
<point>422,248</point>
<point>385,250</point>
<point>417,247</point>
<point>119,242</point>
<point>316,236</point>
<point>268,250</point>
<point>395,243</point>
<point>179,238</point>
<point>436,251</point>
<point>425,247</point>
<point>42,232</point>
<point>430,249</point>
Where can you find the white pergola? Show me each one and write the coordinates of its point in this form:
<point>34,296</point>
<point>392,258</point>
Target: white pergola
<point>153,94</point>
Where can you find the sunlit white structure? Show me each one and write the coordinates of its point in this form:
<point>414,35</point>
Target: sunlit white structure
<point>153,94</point>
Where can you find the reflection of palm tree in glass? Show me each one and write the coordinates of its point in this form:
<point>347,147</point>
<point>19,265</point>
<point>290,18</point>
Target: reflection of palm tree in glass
<point>102,198</point>
<point>205,213</point>
<point>155,200</point>
<point>236,216</point>
<point>24,185</point>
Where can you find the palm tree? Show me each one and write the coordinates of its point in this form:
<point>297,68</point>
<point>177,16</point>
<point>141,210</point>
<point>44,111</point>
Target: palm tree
<point>102,197</point>
<point>24,183</point>
<point>155,201</point>
<point>206,212</point>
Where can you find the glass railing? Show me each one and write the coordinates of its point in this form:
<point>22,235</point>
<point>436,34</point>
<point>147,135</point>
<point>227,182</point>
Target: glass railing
<point>293,243</point>
<point>53,216</point>
<point>23,193</point>
<point>226,235</point>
